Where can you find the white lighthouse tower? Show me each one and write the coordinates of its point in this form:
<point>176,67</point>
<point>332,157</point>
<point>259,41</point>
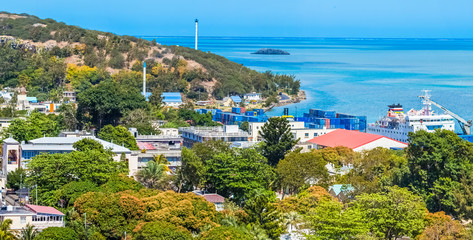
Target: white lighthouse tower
<point>196,28</point>
<point>144,79</point>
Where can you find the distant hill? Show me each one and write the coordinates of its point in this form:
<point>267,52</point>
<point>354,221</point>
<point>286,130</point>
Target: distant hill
<point>47,57</point>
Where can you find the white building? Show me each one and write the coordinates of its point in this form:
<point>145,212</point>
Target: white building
<point>255,97</point>
<point>154,145</point>
<point>18,154</point>
<point>358,141</point>
<point>40,217</point>
<point>297,129</point>
<point>227,133</point>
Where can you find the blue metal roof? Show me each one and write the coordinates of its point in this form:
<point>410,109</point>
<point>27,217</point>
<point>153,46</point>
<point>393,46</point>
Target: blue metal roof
<point>337,188</point>
<point>32,99</point>
<point>236,99</point>
<point>171,97</point>
<point>169,94</point>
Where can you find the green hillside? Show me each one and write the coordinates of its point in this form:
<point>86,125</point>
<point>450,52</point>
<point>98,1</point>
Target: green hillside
<point>48,57</point>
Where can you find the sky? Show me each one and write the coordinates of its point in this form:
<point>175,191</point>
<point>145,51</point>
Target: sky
<point>261,18</point>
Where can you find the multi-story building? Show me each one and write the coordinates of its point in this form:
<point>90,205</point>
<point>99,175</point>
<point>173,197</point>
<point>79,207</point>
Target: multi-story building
<point>40,217</point>
<point>297,129</point>
<point>17,154</point>
<point>70,96</point>
<point>227,133</point>
<point>152,146</point>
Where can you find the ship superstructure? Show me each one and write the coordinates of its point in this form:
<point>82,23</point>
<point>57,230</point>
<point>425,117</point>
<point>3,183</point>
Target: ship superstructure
<point>397,124</point>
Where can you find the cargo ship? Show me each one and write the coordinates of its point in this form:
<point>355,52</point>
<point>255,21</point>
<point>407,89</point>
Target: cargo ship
<point>397,124</point>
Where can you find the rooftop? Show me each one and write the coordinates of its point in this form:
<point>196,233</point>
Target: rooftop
<point>214,198</point>
<point>338,188</point>
<point>65,144</point>
<point>214,132</point>
<point>347,138</point>
<point>171,97</point>
<point>44,210</point>
<point>14,210</point>
<point>236,99</point>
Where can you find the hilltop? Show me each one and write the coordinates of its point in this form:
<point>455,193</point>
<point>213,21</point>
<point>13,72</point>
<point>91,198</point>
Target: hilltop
<point>48,57</point>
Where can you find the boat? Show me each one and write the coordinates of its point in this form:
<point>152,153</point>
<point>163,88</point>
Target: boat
<point>397,124</point>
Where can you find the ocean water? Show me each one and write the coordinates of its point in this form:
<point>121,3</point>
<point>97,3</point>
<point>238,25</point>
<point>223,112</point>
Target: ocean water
<point>358,76</point>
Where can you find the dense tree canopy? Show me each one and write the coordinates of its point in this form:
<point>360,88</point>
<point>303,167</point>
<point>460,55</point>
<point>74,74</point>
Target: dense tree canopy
<point>161,231</point>
<point>57,233</point>
<point>297,170</point>
<point>439,163</point>
<point>118,135</point>
<point>35,126</point>
<point>391,214</point>
<point>106,103</point>
<point>52,171</point>
<point>230,172</point>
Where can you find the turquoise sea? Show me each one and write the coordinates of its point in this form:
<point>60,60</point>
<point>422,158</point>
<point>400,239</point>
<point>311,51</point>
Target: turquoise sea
<point>358,76</point>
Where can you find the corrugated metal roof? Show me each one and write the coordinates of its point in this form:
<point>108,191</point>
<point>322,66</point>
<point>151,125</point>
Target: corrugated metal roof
<point>171,97</point>
<point>347,138</point>
<point>44,210</point>
<point>169,94</point>
<point>60,143</point>
<point>214,198</point>
<point>236,99</point>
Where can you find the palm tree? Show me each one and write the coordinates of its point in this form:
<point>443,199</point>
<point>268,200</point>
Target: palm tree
<point>292,219</point>
<point>155,174</point>
<point>5,231</point>
<point>28,233</point>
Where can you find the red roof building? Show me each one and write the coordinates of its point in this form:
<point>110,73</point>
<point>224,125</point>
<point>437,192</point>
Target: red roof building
<point>358,141</point>
<point>44,210</point>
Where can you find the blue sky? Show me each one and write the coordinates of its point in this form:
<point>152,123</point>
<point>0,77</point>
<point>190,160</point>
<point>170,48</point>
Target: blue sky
<point>284,18</point>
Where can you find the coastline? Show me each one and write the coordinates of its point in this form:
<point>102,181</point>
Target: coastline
<point>301,96</point>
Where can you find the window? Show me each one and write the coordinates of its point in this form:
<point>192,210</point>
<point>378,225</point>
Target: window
<point>315,134</point>
<point>306,134</point>
<point>22,220</point>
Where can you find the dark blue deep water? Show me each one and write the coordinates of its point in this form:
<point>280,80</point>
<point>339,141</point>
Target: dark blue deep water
<point>358,76</point>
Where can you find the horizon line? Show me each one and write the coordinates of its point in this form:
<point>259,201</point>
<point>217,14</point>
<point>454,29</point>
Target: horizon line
<point>344,38</point>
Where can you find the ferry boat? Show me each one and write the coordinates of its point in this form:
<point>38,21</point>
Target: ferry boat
<point>397,124</point>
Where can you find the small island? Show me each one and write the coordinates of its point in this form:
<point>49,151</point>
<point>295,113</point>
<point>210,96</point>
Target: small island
<point>270,51</point>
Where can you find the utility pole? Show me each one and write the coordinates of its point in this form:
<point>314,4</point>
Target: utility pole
<point>85,222</point>
<point>21,181</point>
<point>125,235</point>
<point>36,197</point>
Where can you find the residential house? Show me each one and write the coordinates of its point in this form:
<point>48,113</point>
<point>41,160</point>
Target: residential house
<point>252,97</point>
<point>214,198</point>
<point>231,101</point>
<point>341,191</point>
<point>40,217</point>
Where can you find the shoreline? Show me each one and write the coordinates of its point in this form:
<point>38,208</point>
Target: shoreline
<point>301,96</point>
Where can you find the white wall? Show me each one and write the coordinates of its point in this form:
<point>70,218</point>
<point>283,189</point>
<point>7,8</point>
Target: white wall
<point>297,129</point>
<point>307,134</point>
<point>382,142</point>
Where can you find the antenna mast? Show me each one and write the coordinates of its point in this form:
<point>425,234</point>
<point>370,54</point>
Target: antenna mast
<point>196,28</point>
<point>144,79</point>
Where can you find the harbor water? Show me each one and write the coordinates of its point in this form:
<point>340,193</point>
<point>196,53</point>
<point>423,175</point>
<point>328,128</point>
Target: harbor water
<point>358,76</point>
